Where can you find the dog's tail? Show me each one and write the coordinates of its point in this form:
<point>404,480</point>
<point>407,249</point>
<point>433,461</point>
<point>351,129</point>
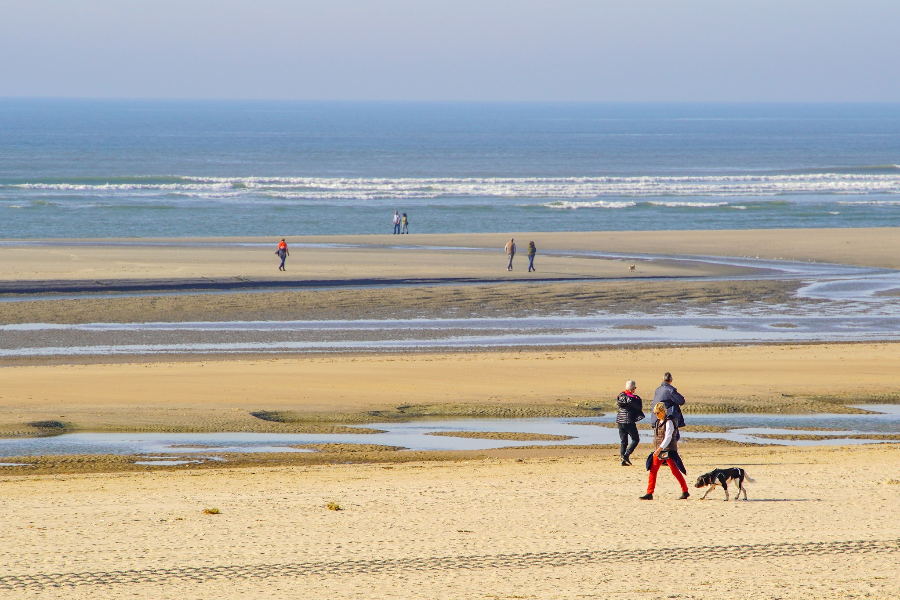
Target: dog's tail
<point>748,478</point>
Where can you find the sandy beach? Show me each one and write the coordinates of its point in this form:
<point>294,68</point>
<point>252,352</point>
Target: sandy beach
<point>820,523</point>
<point>555,522</point>
<point>335,257</point>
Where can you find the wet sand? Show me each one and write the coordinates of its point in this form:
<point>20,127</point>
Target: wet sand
<point>820,523</point>
<point>437,301</point>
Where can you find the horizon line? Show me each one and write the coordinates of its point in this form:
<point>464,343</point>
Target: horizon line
<point>423,101</point>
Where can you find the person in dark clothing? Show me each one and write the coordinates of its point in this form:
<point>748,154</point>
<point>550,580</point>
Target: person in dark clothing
<point>532,250</point>
<point>631,410</point>
<point>672,400</point>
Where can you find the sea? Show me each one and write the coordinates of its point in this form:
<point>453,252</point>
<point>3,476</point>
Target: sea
<point>129,168</point>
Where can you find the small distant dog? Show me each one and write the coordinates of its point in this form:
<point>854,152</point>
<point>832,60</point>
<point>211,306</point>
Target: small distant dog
<point>721,477</point>
<point>631,268</point>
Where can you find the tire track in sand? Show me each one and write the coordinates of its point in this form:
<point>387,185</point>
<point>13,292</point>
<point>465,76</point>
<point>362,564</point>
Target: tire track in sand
<point>390,566</point>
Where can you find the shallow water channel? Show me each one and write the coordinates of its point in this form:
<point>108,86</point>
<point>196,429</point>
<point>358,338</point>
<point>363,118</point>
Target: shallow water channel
<point>833,303</point>
<point>300,336</point>
<point>179,448</point>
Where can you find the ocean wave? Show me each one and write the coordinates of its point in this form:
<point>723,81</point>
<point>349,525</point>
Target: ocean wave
<point>568,205</point>
<point>870,203</point>
<point>562,188</point>
<point>118,187</point>
<point>628,204</point>
<point>689,204</point>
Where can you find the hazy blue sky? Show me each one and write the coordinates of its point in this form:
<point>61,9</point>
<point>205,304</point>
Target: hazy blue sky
<point>653,50</point>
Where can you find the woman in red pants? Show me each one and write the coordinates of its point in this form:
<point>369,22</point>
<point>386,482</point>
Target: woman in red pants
<point>665,439</point>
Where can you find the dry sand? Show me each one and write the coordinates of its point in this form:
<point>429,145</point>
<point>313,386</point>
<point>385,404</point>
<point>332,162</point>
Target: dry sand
<point>820,523</point>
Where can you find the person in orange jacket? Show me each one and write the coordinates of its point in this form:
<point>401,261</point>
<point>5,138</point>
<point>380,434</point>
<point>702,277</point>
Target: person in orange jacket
<point>282,253</point>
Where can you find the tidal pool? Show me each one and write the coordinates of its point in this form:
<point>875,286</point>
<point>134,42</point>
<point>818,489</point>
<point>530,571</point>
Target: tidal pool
<point>166,447</point>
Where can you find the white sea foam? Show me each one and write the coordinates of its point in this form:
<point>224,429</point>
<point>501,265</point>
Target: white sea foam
<point>569,205</point>
<point>689,204</point>
<point>871,202</point>
<point>564,188</point>
<point>118,187</point>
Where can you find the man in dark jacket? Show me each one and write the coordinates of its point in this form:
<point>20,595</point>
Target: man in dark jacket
<point>669,396</point>
<point>631,411</point>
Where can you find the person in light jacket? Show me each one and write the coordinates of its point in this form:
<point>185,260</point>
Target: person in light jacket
<point>665,440</point>
<point>631,410</point>
<point>510,252</point>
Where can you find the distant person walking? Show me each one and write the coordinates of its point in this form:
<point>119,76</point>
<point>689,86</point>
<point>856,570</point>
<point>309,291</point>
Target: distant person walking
<point>671,399</point>
<point>532,250</point>
<point>510,252</point>
<point>665,440</point>
<point>631,410</point>
<point>282,253</point>
<point>396,222</point>
<point>405,222</point>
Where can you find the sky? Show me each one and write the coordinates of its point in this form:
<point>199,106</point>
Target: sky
<point>458,50</point>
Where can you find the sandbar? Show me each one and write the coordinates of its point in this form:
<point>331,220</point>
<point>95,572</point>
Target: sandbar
<point>222,394</point>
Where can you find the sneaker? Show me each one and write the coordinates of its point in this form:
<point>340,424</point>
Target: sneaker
<point>684,496</point>
<point>628,460</point>
<point>625,463</point>
<point>646,497</point>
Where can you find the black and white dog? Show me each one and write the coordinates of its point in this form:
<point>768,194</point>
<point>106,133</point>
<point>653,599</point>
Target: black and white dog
<point>721,477</point>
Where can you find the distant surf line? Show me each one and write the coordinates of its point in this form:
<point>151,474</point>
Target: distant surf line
<point>363,189</point>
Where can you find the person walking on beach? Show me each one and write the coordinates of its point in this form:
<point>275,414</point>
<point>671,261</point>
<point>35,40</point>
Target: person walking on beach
<point>532,250</point>
<point>405,222</point>
<point>665,440</point>
<point>671,399</point>
<point>631,410</point>
<point>396,222</point>
<point>510,252</point>
<point>282,253</point>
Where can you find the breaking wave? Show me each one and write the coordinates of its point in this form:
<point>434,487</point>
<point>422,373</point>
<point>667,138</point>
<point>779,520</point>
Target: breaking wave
<point>689,204</point>
<point>563,188</point>
<point>568,205</point>
<point>872,202</point>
